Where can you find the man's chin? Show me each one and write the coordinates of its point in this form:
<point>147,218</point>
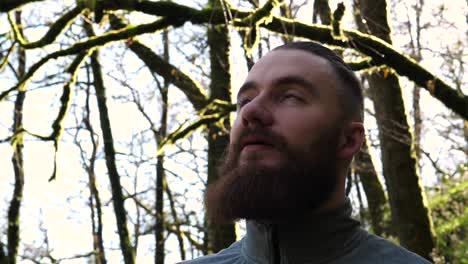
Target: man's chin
<point>269,160</point>
<point>268,184</point>
<point>263,164</point>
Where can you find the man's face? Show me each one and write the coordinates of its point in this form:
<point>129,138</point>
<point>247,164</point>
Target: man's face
<point>282,154</point>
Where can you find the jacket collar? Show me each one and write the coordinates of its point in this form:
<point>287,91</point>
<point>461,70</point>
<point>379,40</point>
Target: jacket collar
<point>315,237</point>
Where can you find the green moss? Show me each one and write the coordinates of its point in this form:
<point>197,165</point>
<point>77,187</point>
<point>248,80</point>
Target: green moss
<point>455,223</point>
<point>251,40</point>
<point>450,216</point>
<point>441,200</point>
<point>58,27</point>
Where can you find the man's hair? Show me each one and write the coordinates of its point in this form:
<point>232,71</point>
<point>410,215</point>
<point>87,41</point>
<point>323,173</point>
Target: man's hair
<point>350,96</point>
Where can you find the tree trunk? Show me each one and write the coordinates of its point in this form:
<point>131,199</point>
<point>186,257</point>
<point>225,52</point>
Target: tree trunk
<point>417,56</point>
<point>376,200</point>
<point>465,134</point>
<point>160,175</point>
<point>410,214</point>
<point>286,12</point>
<point>323,11</point>
<point>3,255</point>
<point>94,198</point>
<point>96,209</point>
<point>13,233</point>
<point>219,236</point>
<point>178,232</point>
<point>109,150</point>
<point>96,213</point>
<point>161,66</point>
<point>363,166</point>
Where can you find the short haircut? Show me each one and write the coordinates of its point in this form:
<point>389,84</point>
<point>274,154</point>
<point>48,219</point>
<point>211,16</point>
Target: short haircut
<point>350,96</point>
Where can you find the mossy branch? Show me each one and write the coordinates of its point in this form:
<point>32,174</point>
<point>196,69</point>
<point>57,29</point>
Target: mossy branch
<point>213,112</point>
<point>186,14</point>
<point>92,42</point>
<point>191,88</point>
<point>65,100</point>
<point>65,105</point>
<point>251,24</point>
<point>184,131</point>
<point>380,51</point>
<point>259,15</point>
<point>6,57</point>
<point>364,64</point>
<point>336,21</point>
<point>58,27</point>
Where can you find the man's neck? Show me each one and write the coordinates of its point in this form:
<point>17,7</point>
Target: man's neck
<point>314,236</point>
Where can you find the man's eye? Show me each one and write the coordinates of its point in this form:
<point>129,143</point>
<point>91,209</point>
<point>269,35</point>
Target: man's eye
<point>241,102</point>
<point>291,97</point>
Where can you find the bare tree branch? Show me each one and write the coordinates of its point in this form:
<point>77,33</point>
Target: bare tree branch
<point>58,27</point>
<point>377,49</point>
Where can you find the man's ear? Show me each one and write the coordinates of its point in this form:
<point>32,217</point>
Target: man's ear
<point>351,140</point>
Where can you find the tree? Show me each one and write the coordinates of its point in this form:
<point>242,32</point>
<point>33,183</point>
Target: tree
<point>17,159</point>
<point>114,23</point>
<point>219,236</point>
<point>362,164</point>
<point>410,213</point>
<point>117,195</point>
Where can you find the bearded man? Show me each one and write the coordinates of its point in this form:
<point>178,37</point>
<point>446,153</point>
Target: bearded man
<point>299,124</point>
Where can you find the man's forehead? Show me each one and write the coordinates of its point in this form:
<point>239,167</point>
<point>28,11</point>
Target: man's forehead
<point>292,55</point>
<point>287,63</point>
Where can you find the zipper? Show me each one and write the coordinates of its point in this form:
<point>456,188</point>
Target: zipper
<point>276,246</point>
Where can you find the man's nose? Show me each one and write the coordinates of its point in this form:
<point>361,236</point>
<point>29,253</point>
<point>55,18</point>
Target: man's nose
<point>256,113</point>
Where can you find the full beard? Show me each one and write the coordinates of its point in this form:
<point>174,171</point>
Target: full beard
<point>302,181</point>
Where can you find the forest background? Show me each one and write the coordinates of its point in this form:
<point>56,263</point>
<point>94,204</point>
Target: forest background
<point>114,114</point>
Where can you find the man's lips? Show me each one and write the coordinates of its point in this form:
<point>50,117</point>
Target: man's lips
<point>255,141</point>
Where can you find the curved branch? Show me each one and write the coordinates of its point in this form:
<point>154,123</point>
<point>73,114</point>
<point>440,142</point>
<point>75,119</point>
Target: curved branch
<point>252,21</point>
<point>377,49</point>
<point>6,57</point>
<point>185,13</point>
<point>184,131</point>
<point>381,53</point>
<point>192,89</point>
<point>58,27</point>
<point>336,20</point>
<point>65,100</point>
<point>92,43</point>
<point>364,64</point>
<point>259,15</point>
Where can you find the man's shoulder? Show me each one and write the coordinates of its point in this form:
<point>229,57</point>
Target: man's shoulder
<point>379,250</point>
<point>230,255</point>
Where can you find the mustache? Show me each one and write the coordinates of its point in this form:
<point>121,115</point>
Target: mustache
<point>275,139</point>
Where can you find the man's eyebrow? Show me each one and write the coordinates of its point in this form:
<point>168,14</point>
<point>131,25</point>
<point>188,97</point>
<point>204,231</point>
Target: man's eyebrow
<point>245,87</point>
<point>297,80</point>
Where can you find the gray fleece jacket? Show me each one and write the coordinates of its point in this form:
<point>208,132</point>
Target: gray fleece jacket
<point>333,238</point>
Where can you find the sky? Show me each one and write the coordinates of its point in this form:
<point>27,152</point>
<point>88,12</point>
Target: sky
<point>59,205</point>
